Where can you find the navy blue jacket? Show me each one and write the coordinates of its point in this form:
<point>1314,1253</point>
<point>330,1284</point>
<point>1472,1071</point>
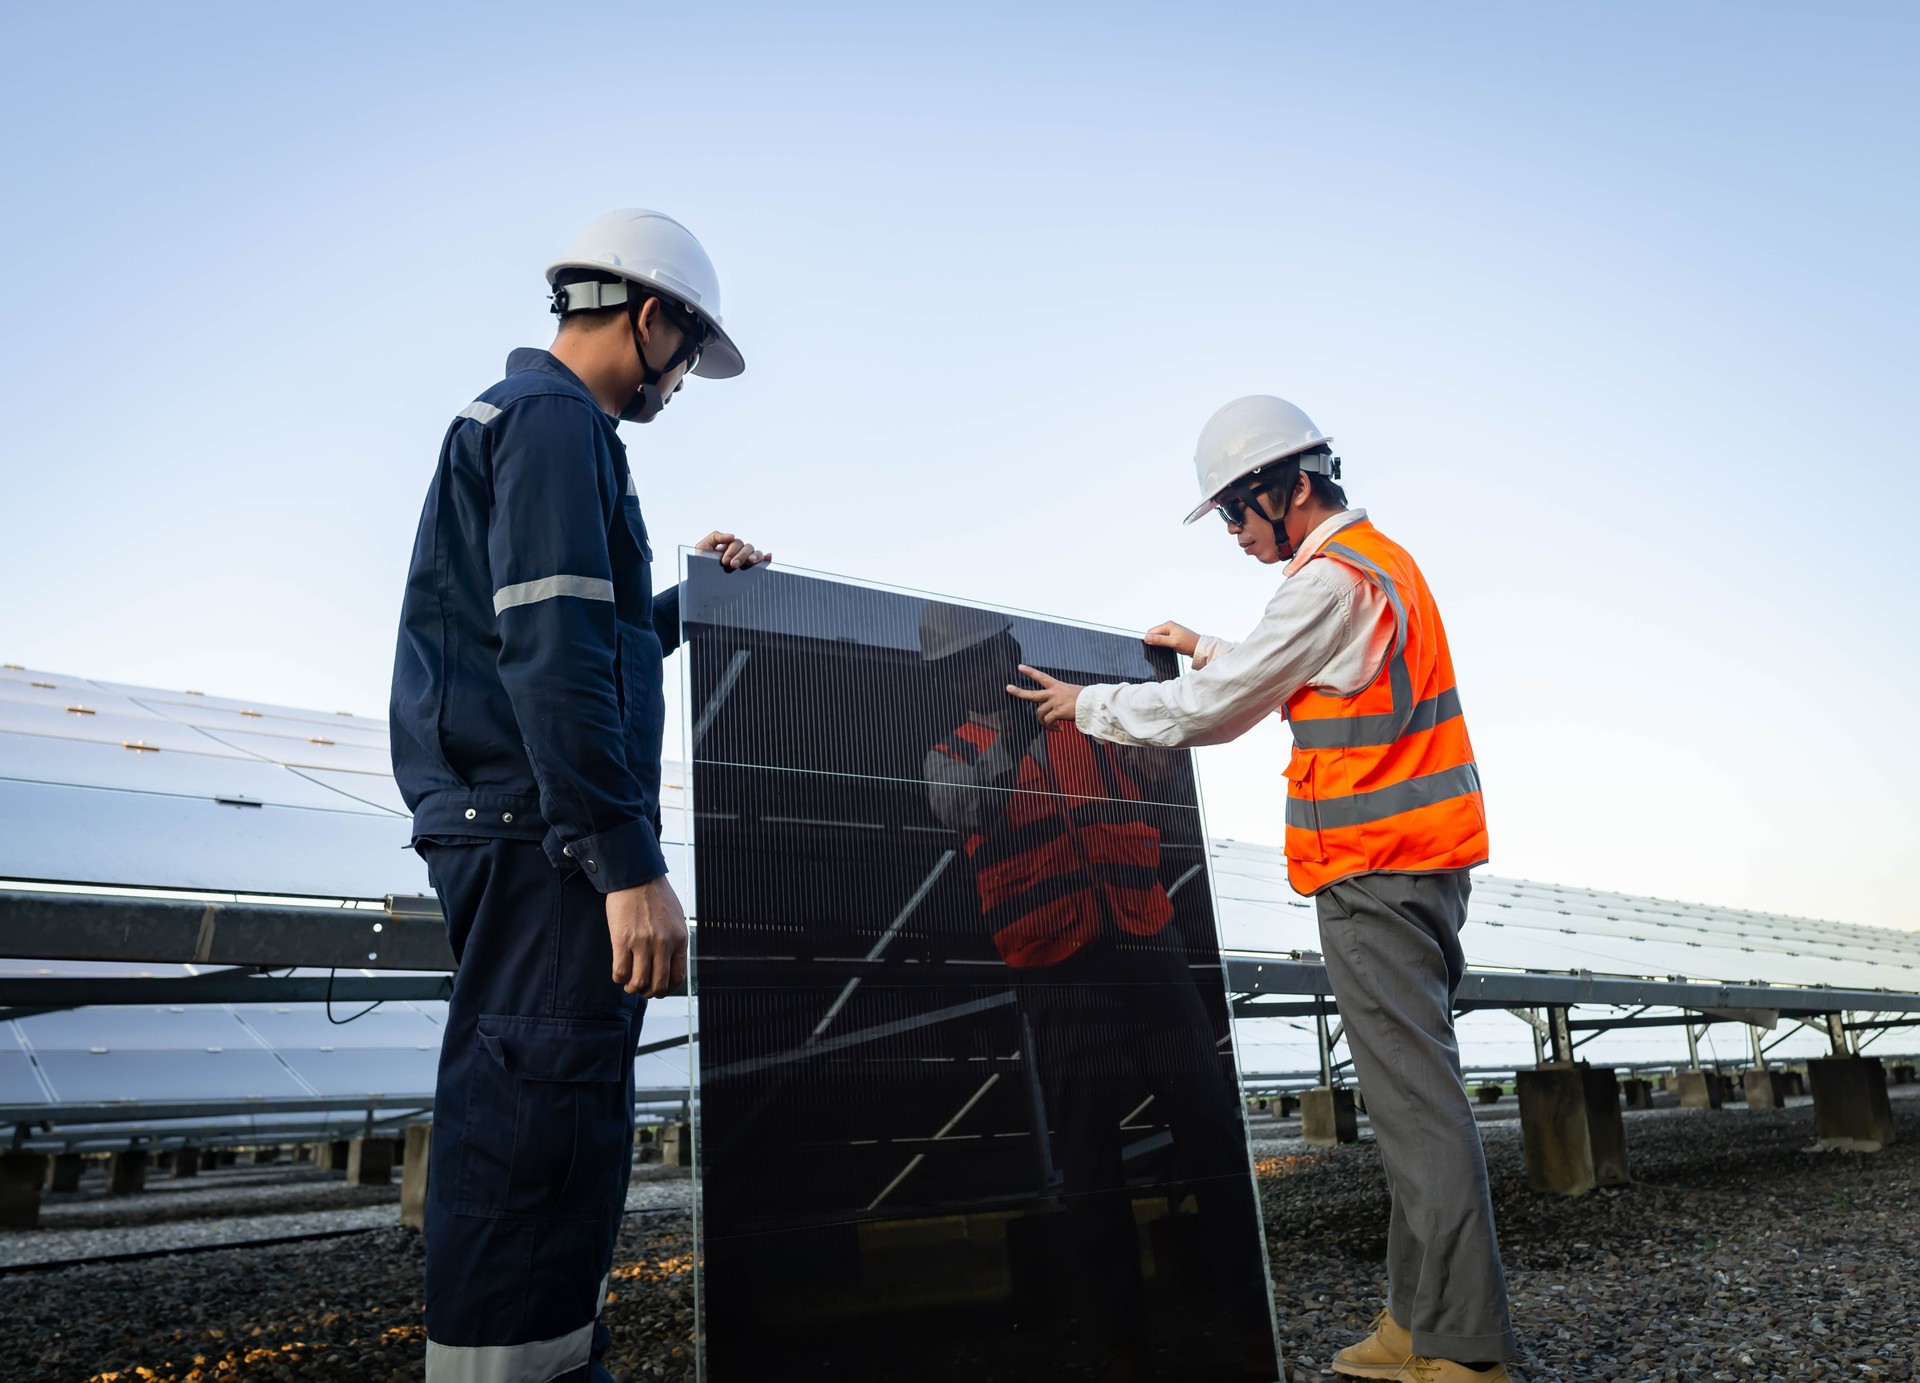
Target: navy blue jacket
<point>527,699</point>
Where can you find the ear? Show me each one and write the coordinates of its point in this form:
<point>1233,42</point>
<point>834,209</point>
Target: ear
<point>648,320</point>
<point>1302,489</point>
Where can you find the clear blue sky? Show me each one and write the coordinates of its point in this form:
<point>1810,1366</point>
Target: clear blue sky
<point>1611,309</point>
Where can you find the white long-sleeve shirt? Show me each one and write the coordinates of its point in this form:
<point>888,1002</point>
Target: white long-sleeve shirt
<point>1327,627</point>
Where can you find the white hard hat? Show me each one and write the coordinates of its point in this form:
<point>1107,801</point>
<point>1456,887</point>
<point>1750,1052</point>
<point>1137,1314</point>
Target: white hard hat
<point>1250,433</point>
<point>647,247</point>
<point>949,629</point>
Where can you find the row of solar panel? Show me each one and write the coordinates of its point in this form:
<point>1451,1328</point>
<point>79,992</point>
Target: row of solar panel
<point>158,1054</point>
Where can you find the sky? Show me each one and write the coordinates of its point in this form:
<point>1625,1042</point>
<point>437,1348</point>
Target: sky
<point>1610,309</point>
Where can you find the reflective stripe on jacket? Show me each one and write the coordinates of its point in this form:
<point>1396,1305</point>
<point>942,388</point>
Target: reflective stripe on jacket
<point>527,699</point>
<point>1069,860</point>
<point>1384,780</point>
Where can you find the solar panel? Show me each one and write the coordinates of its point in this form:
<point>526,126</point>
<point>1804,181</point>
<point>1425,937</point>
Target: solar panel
<point>156,840</point>
<point>966,971</point>
<point>150,1058</point>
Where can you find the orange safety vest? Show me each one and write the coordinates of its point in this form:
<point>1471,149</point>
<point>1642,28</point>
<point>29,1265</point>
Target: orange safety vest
<point>1384,780</point>
<point>1068,861</point>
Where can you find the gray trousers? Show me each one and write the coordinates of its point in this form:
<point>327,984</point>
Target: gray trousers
<point>1392,944</point>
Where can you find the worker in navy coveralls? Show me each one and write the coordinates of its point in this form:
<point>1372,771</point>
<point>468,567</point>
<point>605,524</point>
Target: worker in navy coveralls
<point>527,714</point>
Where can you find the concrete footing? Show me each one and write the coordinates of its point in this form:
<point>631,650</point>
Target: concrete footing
<point>186,1162</point>
<point>63,1171</point>
<point>1901,1074</point>
<point>676,1145</point>
<point>1289,1105</point>
<point>127,1172</point>
<point>263,1156</point>
<point>413,1177</point>
<point>1766,1089</point>
<point>1636,1093</point>
<point>303,1153</point>
<point>1850,1108</point>
<point>331,1157</point>
<point>1570,1128</point>
<point>1489,1093</point>
<point>370,1162</point>
<point>1796,1082</point>
<point>1701,1089</point>
<point>22,1175</point>
<point>1328,1116</point>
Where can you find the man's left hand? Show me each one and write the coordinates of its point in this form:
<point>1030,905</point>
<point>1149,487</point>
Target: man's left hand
<point>735,553</point>
<point>1054,701</point>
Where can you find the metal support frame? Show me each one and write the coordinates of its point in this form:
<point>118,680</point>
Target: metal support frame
<point>1837,1034</point>
<point>1559,1039</point>
<point>26,997</point>
<point>358,933</point>
<point>1537,1026</point>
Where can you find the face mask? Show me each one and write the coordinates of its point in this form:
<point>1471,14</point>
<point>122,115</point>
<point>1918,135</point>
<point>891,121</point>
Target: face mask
<point>646,405</point>
<point>647,399</point>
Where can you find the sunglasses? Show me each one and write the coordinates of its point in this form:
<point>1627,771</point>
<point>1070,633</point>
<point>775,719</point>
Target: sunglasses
<point>693,340</point>
<point>1233,507</point>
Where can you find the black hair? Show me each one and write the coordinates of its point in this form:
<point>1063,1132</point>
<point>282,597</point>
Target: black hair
<point>1326,491</point>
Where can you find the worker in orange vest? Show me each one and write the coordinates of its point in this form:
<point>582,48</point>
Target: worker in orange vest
<point>1383,820</point>
<point>1057,857</point>
<point>1067,844</point>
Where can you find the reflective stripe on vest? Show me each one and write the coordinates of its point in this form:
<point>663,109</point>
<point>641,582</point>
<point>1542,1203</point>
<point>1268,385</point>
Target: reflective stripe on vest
<point>1384,779</point>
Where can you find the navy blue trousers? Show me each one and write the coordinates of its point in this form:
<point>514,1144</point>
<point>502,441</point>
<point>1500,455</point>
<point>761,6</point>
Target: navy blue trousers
<point>532,1120</point>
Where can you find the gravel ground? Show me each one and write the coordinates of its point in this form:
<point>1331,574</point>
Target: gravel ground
<point>216,1206</point>
<point>1736,1255</point>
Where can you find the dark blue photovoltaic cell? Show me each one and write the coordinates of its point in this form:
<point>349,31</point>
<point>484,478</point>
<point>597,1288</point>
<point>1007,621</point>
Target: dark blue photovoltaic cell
<point>232,1074</point>
<point>183,1027</point>
<point>95,764</point>
<point>967,1104</point>
<point>17,1083</point>
<point>152,840</point>
<point>354,1071</point>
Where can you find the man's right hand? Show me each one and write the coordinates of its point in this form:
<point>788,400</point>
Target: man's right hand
<point>1175,636</point>
<point>649,932</point>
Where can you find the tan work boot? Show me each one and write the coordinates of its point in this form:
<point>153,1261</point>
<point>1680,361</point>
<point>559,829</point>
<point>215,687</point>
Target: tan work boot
<point>1422,1370</point>
<point>1382,1354</point>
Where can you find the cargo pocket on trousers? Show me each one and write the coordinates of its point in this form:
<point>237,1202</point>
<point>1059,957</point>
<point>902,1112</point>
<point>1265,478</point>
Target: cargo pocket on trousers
<point>546,1123</point>
<point>1303,813</point>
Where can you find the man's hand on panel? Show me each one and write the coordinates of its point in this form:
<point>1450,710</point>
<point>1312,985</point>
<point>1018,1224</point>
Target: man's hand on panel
<point>1055,700</point>
<point>735,553</point>
<point>1175,636</point>
<point>649,933</point>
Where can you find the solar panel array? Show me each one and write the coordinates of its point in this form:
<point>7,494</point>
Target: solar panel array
<point>110,785</point>
<point>102,783</point>
<point>1520,925</point>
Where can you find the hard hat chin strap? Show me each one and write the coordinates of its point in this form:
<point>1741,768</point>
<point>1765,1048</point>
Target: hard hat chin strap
<point>1254,486</point>
<point>647,399</point>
